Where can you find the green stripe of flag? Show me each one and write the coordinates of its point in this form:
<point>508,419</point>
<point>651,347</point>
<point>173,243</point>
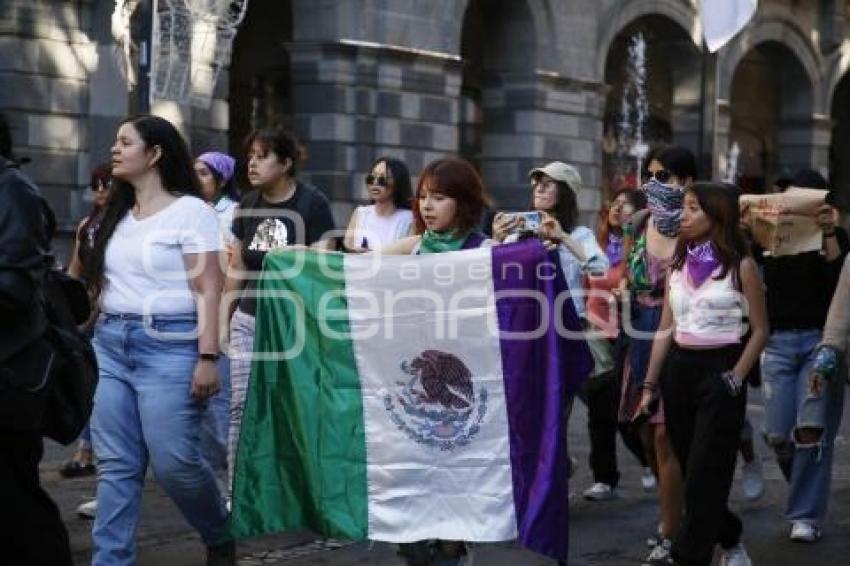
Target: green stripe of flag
<point>301,461</point>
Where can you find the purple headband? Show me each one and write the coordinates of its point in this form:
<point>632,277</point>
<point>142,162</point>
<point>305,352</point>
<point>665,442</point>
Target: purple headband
<point>221,162</point>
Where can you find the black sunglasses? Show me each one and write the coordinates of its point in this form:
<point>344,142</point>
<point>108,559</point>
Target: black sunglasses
<point>376,180</point>
<point>101,186</point>
<point>662,175</point>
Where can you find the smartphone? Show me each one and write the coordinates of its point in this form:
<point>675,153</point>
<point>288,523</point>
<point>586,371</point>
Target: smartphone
<point>529,221</point>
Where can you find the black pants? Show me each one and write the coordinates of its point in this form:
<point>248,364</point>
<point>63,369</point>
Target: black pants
<point>601,394</point>
<point>704,423</point>
<point>31,531</point>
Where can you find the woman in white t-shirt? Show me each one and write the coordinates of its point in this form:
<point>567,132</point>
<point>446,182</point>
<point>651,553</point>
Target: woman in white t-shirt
<point>388,218</point>
<point>155,266</point>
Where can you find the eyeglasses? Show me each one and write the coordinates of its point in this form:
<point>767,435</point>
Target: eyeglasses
<point>662,175</point>
<point>376,180</point>
<point>542,182</point>
<point>101,186</point>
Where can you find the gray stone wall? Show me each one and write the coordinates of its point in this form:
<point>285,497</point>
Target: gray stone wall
<point>355,102</point>
<point>45,58</point>
<point>393,77</point>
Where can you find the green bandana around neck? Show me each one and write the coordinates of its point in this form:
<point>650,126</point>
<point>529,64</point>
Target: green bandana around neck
<point>439,242</point>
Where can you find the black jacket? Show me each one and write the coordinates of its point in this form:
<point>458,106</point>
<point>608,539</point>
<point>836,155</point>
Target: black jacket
<point>26,226</point>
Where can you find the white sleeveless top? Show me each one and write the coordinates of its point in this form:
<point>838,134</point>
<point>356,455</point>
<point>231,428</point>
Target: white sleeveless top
<point>380,231</point>
<point>709,315</point>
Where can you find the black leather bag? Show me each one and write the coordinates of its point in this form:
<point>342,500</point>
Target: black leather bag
<point>74,375</point>
<point>49,384</point>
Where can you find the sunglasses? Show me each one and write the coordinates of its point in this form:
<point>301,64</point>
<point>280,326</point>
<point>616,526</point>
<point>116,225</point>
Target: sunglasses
<point>376,180</point>
<point>662,175</point>
<point>101,186</point>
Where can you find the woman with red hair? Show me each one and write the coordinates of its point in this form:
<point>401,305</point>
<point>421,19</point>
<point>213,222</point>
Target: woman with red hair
<point>447,210</point>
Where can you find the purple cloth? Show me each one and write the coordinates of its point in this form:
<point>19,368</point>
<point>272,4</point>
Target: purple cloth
<point>614,249</point>
<point>702,261</point>
<point>540,375</point>
<point>473,241</point>
<point>223,164</point>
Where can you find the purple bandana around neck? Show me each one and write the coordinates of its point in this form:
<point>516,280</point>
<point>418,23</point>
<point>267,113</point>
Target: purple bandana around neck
<point>221,162</point>
<point>614,249</point>
<point>702,261</point>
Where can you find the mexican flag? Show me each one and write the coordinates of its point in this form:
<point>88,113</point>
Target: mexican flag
<point>403,398</point>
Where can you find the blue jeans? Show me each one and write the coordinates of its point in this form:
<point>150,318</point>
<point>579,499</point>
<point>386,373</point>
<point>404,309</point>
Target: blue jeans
<point>143,412</point>
<point>215,424</point>
<point>789,406</point>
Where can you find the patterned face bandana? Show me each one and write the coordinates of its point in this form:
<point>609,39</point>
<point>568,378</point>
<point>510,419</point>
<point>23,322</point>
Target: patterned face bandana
<point>665,206</point>
<point>614,249</point>
<point>701,262</point>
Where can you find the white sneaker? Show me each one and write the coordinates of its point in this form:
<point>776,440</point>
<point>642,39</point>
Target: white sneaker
<point>753,480</point>
<point>802,531</point>
<point>600,492</point>
<point>87,510</point>
<point>735,556</point>
<point>648,481</point>
<point>660,554</point>
<point>656,539</point>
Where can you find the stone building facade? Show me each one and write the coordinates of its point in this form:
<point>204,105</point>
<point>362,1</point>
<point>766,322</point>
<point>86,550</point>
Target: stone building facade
<point>508,84</point>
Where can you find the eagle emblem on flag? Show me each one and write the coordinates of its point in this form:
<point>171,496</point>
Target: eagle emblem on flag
<point>438,404</point>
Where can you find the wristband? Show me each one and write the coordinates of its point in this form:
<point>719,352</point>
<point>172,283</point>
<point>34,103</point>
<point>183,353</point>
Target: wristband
<point>209,357</point>
<point>651,386</point>
<point>829,234</point>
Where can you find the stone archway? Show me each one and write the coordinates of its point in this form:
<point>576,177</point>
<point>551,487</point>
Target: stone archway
<point>259,77</point>
<point>619,17</point>
<point>771,104</point>
<point>800,131</point>
<point>670,100</point>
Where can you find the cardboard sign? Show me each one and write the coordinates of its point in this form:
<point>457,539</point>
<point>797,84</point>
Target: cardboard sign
<point>785,223</point>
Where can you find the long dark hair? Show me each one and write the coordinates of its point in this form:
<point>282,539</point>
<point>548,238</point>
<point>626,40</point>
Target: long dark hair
<point>402,189</point>
<point>566,207</point>
<point>175,171</point>
<point>720,204</point>
<point>102,174</point>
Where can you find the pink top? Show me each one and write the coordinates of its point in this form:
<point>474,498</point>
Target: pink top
<point>708,315</point>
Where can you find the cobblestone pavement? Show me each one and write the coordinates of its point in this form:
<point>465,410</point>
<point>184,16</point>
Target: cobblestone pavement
<point>609,533</point>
